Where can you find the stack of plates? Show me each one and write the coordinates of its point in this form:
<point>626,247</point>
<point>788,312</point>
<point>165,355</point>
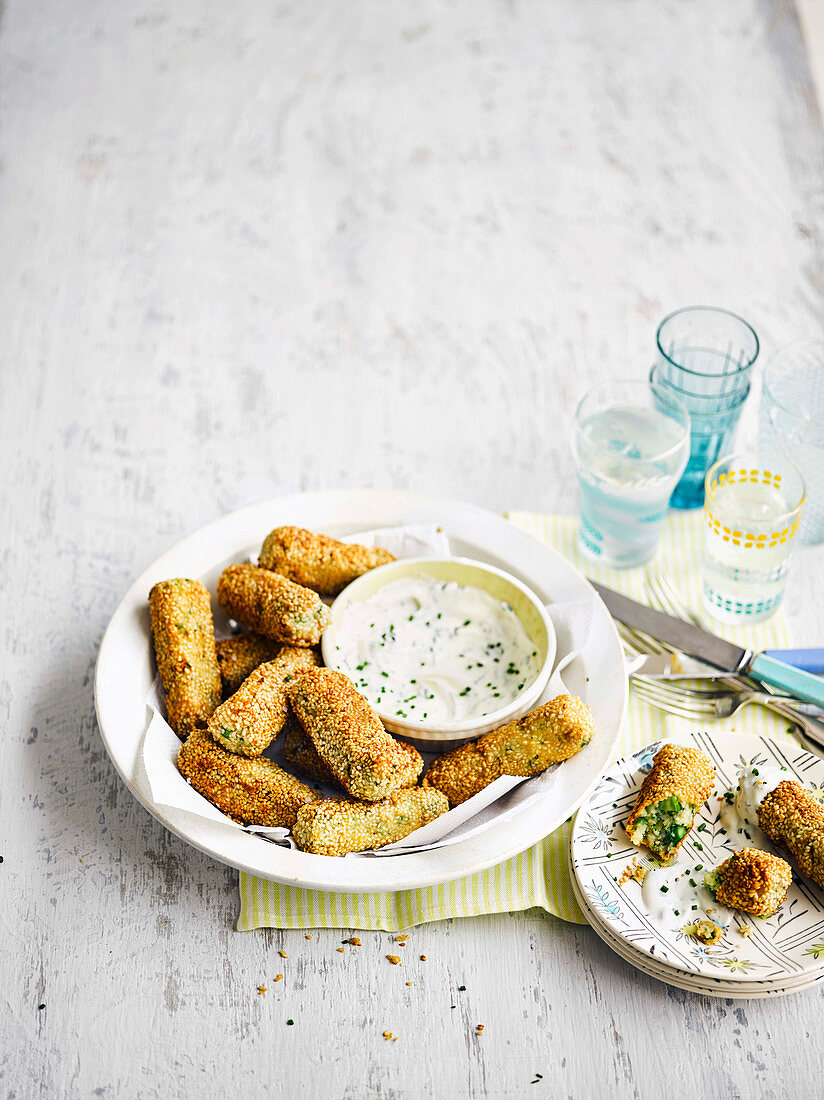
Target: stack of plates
<point>783,953</point>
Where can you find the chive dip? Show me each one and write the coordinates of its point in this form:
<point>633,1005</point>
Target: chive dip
<point>432,651</point>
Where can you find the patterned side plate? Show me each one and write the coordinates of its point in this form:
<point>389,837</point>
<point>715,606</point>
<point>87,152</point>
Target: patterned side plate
<point>784,948</point>
<point>714,987</point>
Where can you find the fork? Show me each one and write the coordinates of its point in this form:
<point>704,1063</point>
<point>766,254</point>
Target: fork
<point>688,702</point>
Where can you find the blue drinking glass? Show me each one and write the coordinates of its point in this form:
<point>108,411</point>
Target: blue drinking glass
<point>705,356</point>
<point>713,423</point>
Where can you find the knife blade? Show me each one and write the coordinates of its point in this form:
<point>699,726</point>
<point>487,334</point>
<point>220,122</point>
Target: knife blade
<point>715,651</point>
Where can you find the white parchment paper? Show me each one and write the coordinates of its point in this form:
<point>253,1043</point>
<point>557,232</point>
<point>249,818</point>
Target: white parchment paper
<point>157,765</point>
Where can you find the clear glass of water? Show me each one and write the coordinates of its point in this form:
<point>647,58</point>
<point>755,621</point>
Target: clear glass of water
<point>752,508</point>
<point>632,441</point>
<point>791,422</point>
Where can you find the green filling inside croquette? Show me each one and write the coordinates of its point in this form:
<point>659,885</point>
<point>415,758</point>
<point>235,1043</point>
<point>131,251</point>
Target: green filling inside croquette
<point>711,880</point>
<point>663,824</point>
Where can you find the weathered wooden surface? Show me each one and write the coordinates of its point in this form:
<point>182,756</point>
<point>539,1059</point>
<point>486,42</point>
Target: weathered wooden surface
<point>253,248</point>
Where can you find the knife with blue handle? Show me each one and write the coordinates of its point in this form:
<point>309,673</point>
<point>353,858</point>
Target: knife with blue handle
<point>715,651</point>
<point>810,660</point>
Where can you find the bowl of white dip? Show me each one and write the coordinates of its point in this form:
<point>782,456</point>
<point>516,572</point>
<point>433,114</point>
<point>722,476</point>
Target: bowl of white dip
<point>443,649</point>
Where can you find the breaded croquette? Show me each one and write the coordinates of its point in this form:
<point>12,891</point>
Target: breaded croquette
<point>240,655</point>
<point>347,734</point>
<point>300,753</point>
<point>790,816</point>
<point>251,719</point>
<point>317,561</point>
<point>547,735</point>
<point>333,827</point>
<point>750,880</point>
<point>272,606</point>
<point>253,791</point>
<point>184,645</point>
<point>678,784</point>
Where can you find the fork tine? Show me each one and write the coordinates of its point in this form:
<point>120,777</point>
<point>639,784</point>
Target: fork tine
<point>668,596</point>
<point>639,642</point>
<point>679,689</point>
<point>693,706</point>
<point>674,709</point>
<point>658,596</point>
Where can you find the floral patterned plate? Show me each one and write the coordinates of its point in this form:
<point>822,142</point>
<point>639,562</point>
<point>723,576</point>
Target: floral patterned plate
<point>657,919</point>
<point>709,987</point>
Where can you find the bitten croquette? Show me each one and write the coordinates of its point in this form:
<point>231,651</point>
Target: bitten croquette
<point>678,784</point>
<point>753,881</point>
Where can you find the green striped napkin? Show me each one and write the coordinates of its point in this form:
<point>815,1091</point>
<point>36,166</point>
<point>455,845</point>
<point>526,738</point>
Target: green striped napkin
<point>539,876</point>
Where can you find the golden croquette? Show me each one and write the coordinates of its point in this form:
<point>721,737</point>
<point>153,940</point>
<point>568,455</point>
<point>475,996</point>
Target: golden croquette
<point>251,790</point>
<point>301,754</point>
<point>547,735</point>
<point>272,606</point>
<point>333,827</point>
<point>790,816</point>
<point>239,656</point>
<point>251,719</point>
<point>678,784</point>
<point>347,734</point>
<point>184,645</point>
<point>750,880</point>
<point>317,561</point>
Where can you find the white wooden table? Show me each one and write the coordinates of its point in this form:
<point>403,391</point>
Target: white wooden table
<point>252,248</point>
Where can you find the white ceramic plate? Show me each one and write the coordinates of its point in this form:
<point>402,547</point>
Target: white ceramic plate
<point>680,978</point>
<point>125,671</point>
<point>783,949</point>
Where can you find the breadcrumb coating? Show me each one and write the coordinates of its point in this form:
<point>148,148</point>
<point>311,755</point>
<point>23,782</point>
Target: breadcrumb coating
<point>317,561</point>
<point>679,770</point>
<point>251,719</point>
<point>253,791</point>
<point>790,816</point>
<point>301,754</point>
<point>753,881</point>
<point>348,735</point>
<point>239,656</point>
<point>272,606</point>
<point>333,827</point>
<point>547,735</point>
<point>184,645</point>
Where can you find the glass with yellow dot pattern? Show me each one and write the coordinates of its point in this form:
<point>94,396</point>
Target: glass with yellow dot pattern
<point>752,506</point>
